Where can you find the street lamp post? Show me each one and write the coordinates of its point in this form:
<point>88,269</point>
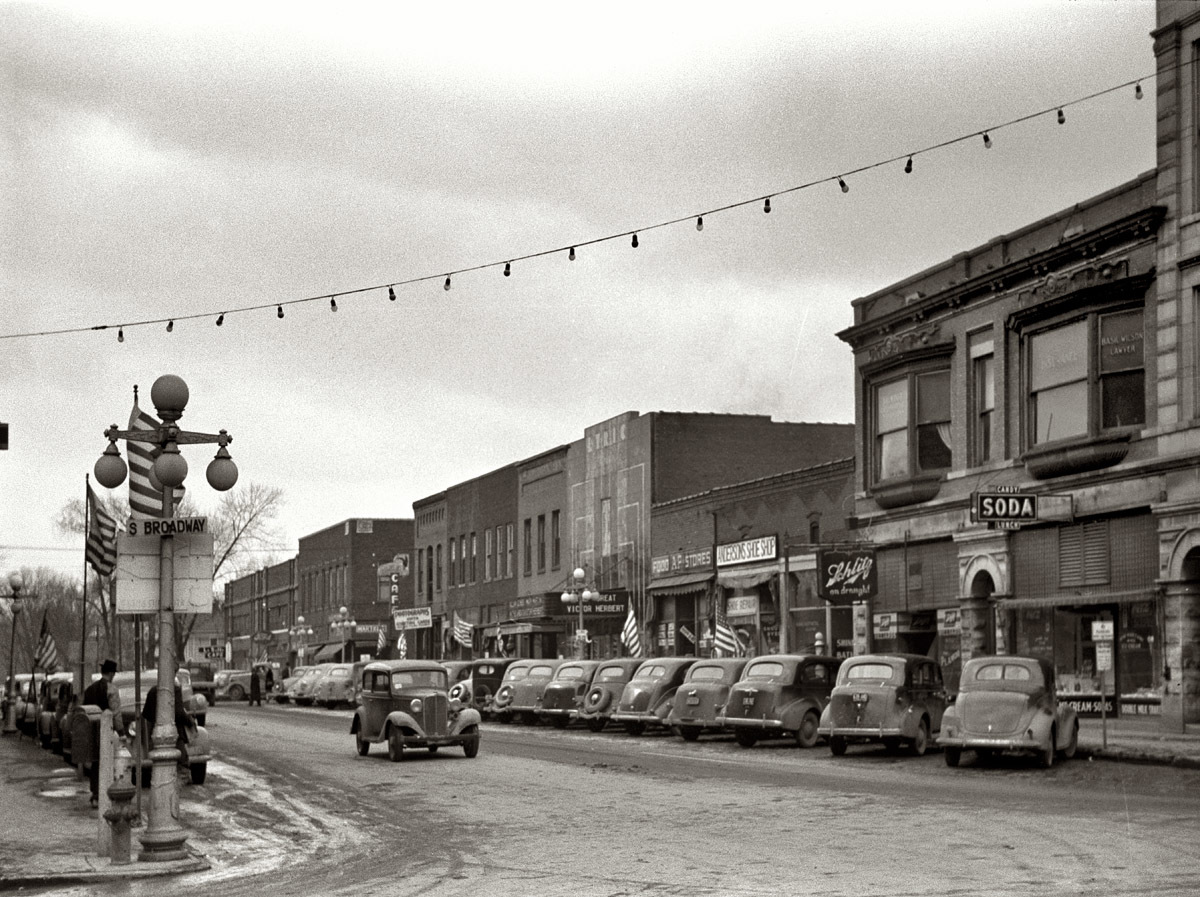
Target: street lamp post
<point>344,624</point>
<point>164,837</point>
<point>577,593</point>
<point>302,631</point>
<point>16,583</point>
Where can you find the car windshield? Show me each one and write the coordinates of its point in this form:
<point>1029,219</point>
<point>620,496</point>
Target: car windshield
<point>515,673</point>
<point>571,672</point>
<point>424,678</point>
<point>707,673</point>
<point>340,673</point>
<point>883,672</point>
<point>651,672</point>
<point>607,674</point>
<point>541,670</point>
<point>767,669</point>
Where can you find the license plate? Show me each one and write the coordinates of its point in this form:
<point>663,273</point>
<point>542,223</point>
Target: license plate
<point>694,699</point>
<point>748,702</point>
<point>860,697</point>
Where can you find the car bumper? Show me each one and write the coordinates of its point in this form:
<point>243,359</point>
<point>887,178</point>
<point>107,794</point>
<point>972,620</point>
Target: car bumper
<point>991,742</point>
<point>630,716</point>
<point>862,733</point>
<point>746,722</point>
<point>557,711</point>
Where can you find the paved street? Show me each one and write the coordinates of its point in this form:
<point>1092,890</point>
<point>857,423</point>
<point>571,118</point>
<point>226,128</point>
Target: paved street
<point>293,810</point>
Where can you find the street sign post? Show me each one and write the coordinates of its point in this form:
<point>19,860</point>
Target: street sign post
<point>1102,639</point>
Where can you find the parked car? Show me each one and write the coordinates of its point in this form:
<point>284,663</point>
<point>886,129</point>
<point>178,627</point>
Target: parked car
<point>57,694</point>
<point>700,700</point>
<point>523,697</point>
<point>23,691</point>
<point>602,698</point>
<point>340,685</point>
<point>457,670</point>
<point>564,694</point>
<point>480,687</point>
<point>780,695</point>
<point>303,692</point>
<point>203,680</point>
<point>897,699</point>
<point>407,704</point>
<point>232,685</point>
<point>502,700</point>
<point>284,686</point>
<point>646,698</point>
<point>199,747</point>
<point>1008,704</point>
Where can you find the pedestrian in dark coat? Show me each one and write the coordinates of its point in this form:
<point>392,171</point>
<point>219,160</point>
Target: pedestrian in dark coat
<point>255,687</point>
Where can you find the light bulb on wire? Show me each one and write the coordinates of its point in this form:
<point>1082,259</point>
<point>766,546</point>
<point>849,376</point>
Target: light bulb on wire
<point>1061,117</point>
<point>446,285</point>
<point>767,205</point>
<point>987,141</point>
<point>120,334</point>
<point>220,319</point>
<point>571,254</point>
<point>279,310</point>
<point>392,294</point>
<point>699,222</point>
<point>507,269</point>
<point>170,326</point>
<point>1137,91</point>
<point>845,187</point>
<point>635,243</point>
<point>908,166</point>
<point>332,304</point>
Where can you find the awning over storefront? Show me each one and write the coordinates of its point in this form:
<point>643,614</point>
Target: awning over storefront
<point>746,579</point>
<point>1067,599</point>
<point>681,583</point>
<point>518,627</point>
<point>328,653</point>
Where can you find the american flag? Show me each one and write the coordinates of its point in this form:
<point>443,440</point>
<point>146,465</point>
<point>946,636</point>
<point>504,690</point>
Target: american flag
<point>725,641</point>
<point>144,499</point>
<point>463,631</point>
<point>47,652</point>
<point>101,548</point>
<point>629,634</point>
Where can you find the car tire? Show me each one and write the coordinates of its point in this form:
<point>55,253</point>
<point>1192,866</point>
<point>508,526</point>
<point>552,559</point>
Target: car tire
<point>597,723</point>
<point>806,735</point>
<point>237,693</point>
<point>199,772</point>
<point>361,744</point>
<point>470,743</point>
<point>395,745</point>
<point>45,739</point>
<point>745,737</point>
<point>953,756</point>
<point>920,744</point>
<point>837,745</point>
<point>481,697</point>
<point>689,733</point>
<point>1072,745</point>
<point>433,748</point>
<point>635,728</point>
<point>1046,756</point>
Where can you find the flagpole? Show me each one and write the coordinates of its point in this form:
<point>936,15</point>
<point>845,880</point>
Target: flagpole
<point>87,533</point>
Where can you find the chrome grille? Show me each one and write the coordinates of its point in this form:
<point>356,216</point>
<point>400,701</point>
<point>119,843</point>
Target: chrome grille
<point>435,715</point>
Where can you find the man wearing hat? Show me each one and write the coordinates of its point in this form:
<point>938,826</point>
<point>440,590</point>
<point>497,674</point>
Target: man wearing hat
<point>106,696</point>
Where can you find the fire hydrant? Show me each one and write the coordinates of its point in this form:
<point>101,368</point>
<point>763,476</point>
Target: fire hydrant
<point>120,815</point>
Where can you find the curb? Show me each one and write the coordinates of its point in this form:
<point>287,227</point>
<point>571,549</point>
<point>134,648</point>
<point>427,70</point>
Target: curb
<point>1144,758</point>
<point>100,873</point>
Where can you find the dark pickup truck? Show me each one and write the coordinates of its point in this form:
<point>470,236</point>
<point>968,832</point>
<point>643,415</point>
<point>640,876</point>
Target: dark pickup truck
<point>202,681</point>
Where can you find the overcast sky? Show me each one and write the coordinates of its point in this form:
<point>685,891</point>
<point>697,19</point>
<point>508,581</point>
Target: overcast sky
<point>168,160</point>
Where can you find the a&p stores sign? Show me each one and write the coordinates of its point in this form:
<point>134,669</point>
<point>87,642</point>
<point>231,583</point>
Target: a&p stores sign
<point>846,575</point>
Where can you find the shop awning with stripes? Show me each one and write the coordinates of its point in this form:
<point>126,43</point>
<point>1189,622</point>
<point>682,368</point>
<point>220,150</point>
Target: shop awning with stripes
<point>681,583</point>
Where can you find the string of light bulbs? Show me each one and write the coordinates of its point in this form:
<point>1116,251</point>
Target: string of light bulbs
<point>1057,110</point>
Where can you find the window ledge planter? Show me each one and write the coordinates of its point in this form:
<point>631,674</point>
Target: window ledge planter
<point>1075,457</point>
<point>907,492</point>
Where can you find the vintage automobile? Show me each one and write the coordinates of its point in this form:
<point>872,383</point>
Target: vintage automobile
<point>502,699</point>
<point>457,670</point>
<point>564,695</point>
<point>232,685</point>
<point>522,698</point>
<point>24,691</point>
<point>203,680</point>
<point>780,695</point>
<point>701,698</point>
<point>303,692</point>
<point>406,703</point>
<point>340,685</point>
<point>199,746</point>
<point>1008,704</point>
<point>608,682</point>
<point>646,698</point>
<point>57,694</point>
<point>284,686</point>
<point>897,699</point>
<point>479,688</point>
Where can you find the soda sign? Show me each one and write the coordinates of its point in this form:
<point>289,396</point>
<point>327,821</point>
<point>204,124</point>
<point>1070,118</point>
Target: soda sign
<point>1004,507</point>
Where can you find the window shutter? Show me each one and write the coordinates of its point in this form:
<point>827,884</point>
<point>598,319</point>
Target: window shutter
<point>1083,554</point>
<point>1070,556</point>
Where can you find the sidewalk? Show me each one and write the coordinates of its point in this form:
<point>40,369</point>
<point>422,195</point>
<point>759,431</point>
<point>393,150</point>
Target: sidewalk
<point>48,832</point>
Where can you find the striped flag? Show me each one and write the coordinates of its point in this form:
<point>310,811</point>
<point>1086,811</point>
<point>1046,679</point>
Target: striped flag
<point>629,634</point>
<point>402,646</point>
<point>464,632</point>
<point>381,642</point>
<point>145,498</point>
<point>725,641</point>
<point>101,547</point>
<point>46,656</point>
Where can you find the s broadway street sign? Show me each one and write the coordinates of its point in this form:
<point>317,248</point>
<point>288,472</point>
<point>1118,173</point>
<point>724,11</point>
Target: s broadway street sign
<point>170,526</point>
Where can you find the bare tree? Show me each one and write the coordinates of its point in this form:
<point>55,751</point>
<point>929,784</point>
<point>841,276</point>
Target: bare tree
<point>50,595</point>
<point>243,527</point>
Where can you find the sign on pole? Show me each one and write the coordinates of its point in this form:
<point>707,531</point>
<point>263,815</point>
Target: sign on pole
<point>139,574</point>
<point>170,526</point>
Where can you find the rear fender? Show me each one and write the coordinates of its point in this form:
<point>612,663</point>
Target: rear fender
<point>794,712</point>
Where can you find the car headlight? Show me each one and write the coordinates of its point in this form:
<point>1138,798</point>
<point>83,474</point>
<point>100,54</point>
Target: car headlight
<point>416,705</point>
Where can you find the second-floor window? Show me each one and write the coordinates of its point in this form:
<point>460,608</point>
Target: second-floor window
<point>555,542</point>
<point>487,555</point>
<point>983,397</point>
<point>452,575</point>
<point>528,546</point>
<point>474,551</point>
<point>1087,376</point>
<point>912,425</point>
<point>510,547</point>
<point>541,543</point>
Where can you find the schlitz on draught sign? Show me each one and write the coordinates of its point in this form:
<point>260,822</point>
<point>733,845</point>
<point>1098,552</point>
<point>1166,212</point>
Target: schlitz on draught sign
<point>845,575</point>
